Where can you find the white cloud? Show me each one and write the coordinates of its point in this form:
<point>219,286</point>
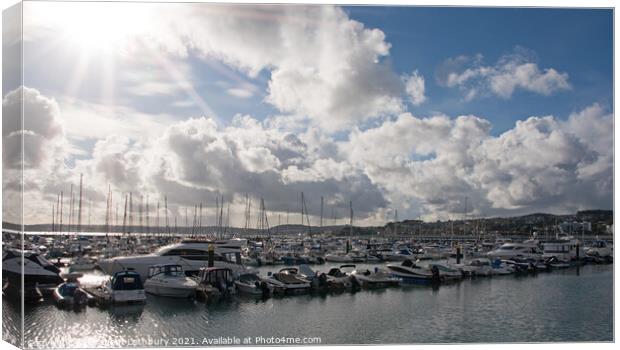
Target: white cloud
<point>42,131</point>
<point>542,164</point>
<point>240,92</point>
<point>514,71</point>
<point>321,64</point>
<point>414,85</point>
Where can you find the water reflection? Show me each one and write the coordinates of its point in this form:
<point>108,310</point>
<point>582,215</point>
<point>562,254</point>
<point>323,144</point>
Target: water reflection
<point>545,307</point>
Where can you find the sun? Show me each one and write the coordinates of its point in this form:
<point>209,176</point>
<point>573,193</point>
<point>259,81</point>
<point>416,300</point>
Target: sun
<point>97,27</point>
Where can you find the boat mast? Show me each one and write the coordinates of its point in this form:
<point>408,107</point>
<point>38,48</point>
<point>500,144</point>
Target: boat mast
<point>321,223</point>
<point>140,212</point>
<point>157,226</point>
<point>200,220</point>
<point>79,225</point>
<point>125,215</point>
<point>147,214</point>
<point>130,213</point>
<point>351,219</point>
<point>166,209</point>
<point>53,217</point>
<point>70,208</point>
<point>61,205</point>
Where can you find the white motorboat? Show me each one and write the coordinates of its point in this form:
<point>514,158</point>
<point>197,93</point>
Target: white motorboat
<point>475,267</point>
<point>526,250</point>
<point>169,281</point>
<point>338,257</point>
<point>289,281</point>
<point>339,279</point>
<point>409,272</point>
<point>377,279</point>
<point>399,255</point>
<point>447,272</point>
<point>124,287</point>
<point>253,284</point>
<point>600,248</point>
<point>190,254</point>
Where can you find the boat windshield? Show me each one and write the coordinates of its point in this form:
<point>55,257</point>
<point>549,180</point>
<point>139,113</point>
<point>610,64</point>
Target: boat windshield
<point>68,289</point>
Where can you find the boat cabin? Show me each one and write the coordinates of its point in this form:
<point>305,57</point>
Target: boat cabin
<point>171,270</point>
<point>126,280</point>
<point>215,275</point>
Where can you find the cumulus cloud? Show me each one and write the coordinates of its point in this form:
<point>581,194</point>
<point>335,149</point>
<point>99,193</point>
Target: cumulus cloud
<point>422,166</point>
<point>414,85</point>
<point>248,158</point>
<point>511,72</point>
<point>543,163</point>
<point>42,130</point>
<point>320,63</point>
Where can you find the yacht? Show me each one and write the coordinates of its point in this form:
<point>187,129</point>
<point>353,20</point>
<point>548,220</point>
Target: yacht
<point>565,249</point>
<point>169,281</point>
<point>516,250</point>
<point>190,254</point>
<point>36,269</point>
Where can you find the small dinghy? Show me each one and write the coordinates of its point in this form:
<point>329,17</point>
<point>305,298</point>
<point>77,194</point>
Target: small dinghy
<point>70,294</point>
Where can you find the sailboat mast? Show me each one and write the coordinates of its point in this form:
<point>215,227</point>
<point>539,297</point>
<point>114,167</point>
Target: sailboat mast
<point>61,205</point>
<point>321,212</point>
<point>166,209</point>
<point>70,208</point>
<point>125,215</point>
<point>79,225</point>
<point>351,219</point>
<point>147,214</point>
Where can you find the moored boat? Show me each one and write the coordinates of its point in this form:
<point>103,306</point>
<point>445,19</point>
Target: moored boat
<point>169,280</point>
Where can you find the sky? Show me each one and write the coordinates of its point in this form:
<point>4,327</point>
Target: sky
<point>437,113</point>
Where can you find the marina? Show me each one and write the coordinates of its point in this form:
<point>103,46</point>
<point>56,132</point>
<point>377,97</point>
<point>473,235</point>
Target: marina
<point>413,297</point>
<point>189,174</point>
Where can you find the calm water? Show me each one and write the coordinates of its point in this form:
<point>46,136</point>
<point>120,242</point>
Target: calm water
<point>570,305</point>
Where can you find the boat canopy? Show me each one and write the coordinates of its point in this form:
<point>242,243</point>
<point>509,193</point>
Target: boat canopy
<point>126,280</point>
